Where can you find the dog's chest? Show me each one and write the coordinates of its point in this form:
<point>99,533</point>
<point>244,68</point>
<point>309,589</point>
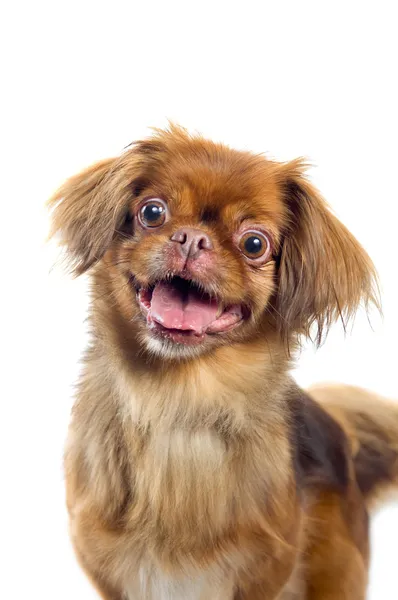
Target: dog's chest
<point>184,478</point>
<point>184,486</point>
<point>153,584</point>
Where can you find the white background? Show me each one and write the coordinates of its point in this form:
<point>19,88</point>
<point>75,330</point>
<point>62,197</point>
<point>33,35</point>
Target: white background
<point>83,79</point>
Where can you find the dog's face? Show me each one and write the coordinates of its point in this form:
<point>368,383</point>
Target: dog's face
<point>202,245</point>
<point>198,248</point>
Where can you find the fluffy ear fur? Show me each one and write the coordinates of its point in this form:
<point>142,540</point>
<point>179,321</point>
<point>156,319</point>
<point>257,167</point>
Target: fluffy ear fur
<point>324,273</point>
<point>87,209</point>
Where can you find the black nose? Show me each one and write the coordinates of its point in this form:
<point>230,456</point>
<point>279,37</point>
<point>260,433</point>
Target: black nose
<point>192,241</point>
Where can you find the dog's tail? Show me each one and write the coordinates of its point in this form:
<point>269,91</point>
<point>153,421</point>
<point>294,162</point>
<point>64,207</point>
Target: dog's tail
<point>371,423</point>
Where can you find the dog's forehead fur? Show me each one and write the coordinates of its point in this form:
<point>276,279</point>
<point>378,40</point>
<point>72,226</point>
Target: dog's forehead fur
<point>200,177</point>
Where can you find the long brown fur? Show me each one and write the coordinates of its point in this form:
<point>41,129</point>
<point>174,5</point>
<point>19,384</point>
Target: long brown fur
<point>206,472</point>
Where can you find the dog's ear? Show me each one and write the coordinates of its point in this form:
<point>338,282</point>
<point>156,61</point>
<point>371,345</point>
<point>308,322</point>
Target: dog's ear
<point>86,211</point>
<point>323,272</point>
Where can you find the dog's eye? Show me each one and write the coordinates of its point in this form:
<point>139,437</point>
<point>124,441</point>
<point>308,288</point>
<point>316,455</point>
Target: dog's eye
<point>153,213</point>
<point>255,245</point>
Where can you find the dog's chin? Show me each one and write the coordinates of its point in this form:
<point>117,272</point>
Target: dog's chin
<point>168,350</point>
<point>181,319</point>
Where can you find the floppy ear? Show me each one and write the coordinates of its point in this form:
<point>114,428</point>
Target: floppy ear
<point>323,272</point>
<point>87,209</point>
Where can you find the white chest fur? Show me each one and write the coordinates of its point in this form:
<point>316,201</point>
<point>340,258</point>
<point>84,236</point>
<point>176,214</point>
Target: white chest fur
<point>153,584</point>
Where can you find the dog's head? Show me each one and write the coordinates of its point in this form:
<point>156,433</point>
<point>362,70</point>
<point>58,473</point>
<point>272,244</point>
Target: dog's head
<point>201,245</point>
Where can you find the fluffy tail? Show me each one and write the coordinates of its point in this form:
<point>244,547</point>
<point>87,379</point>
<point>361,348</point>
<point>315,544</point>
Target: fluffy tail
<point>371,423</point>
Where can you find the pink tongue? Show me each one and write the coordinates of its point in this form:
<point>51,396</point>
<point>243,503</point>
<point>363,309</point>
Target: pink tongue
<point>175,310</point>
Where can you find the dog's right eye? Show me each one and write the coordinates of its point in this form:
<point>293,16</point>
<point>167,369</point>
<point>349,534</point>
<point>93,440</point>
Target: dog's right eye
<point>153,213</point>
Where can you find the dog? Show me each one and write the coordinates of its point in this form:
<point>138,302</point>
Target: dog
<point>195,466</point>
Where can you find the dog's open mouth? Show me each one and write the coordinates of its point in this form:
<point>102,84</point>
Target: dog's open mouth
<point>180,310</point>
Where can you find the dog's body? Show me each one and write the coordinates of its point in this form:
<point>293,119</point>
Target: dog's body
<point>195,466</point>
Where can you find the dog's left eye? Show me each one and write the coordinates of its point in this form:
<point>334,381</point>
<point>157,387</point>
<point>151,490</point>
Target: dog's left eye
<point>153,213</point>
<point>255,245</point>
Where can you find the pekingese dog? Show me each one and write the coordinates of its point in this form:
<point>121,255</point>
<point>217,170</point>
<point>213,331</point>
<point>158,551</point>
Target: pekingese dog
<point>195,467</point>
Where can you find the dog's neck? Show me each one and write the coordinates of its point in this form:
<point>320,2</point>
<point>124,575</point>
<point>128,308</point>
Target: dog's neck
<point>195,432</point>
<point>230,387</point>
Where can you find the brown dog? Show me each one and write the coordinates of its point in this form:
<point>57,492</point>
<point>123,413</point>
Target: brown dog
<point>195,467</point>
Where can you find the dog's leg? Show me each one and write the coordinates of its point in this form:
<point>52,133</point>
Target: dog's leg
<point>336,556</point>
<point>267,579</point>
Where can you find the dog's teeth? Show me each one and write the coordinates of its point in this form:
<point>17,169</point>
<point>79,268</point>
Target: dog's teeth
<point>220,311</point>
